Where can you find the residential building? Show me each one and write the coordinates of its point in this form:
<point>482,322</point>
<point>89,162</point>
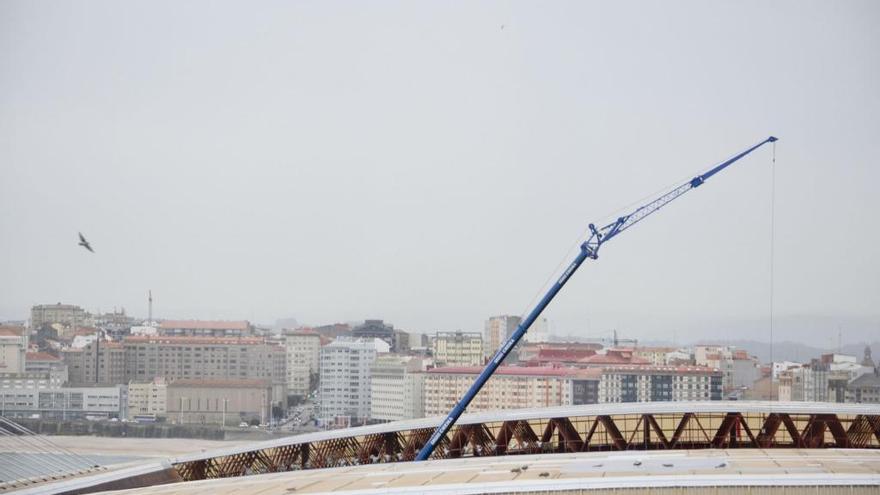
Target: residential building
<point>67,315</point>
<point>658,356</point>
<point>609,357</point>
<point>511,387</point>
<point>46,364</point>
<point>344,384</point>
<point>207,358</point>
<point>414,395</point>
<point>739,370</point>
<point>13,347</point>
<point>205,328</point>
<point>529,352</point>
<point>538,332</point>
<point>303,349</point>
<point>647,383</point>
<point>222,401</point>
<point>100,363</point>
<point>496,331</point>
<point>62,403</point>
<point>865,389</point>
<point>807,382</point>
<point>558,357</point>
<point>394,395</point>
<point>148,398</point>
<point>457,349</point>
<point>402,341</point>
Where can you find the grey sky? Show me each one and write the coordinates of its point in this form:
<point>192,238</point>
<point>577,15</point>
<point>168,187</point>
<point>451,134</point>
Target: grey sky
<point>415,162</point>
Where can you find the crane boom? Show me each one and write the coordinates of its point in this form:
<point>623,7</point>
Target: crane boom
<point>589,249</point>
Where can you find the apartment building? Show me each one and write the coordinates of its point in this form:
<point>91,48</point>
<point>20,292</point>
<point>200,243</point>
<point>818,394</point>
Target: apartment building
<point>149,398</point>
<point>303,349</point>
<point>648,383</point>
<point>64,314</point>
<point>99,363</point>
<point>207,358</point>
<point>569,352</point>
<point>497,330</point>
<point>205,328</point>
<point>396,387</point>
<point>344,388</point>
<point>511,387</point>
<point>457,348</point>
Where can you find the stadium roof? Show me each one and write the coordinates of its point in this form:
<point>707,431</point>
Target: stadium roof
<point>696,471</point>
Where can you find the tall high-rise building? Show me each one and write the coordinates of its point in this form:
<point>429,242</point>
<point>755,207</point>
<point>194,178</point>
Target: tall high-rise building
<point>395,392</point>
<point>344,385</point>
<point>303,352</point>
<point>497,330</point>
<point>457,348</point>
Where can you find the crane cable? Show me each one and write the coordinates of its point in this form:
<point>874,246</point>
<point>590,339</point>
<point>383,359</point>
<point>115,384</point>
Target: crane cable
<point>772,253</point>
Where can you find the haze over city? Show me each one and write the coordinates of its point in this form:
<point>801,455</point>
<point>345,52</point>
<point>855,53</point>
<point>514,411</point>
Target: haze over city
<point>430,164</point>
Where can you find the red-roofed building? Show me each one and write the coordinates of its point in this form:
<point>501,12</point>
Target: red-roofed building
<point>529,351</point>
<point>568,357</point>
<point>613,357</point>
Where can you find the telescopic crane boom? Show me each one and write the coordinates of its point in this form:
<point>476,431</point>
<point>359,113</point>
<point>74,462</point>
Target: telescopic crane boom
<point>589,249</point>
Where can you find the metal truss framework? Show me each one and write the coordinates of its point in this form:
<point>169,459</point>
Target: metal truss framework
<point>610,432</point>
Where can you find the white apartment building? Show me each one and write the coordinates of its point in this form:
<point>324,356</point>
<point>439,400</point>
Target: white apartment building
<point>148,398</point>
<point>303,349</point>
<point>497,330</point>
<point>457,348</point>
<point>13,347</point>
<point>395,392</point>
<point>538,332</point>
<point>511,387</point>
<point>646,383</point>
<point>344,388</point>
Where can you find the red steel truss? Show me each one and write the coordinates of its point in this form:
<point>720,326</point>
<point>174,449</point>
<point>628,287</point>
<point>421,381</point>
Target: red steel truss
<point>604,432</point>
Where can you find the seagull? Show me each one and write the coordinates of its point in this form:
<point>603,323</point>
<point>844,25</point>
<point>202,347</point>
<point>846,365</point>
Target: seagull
<point>84,243</point>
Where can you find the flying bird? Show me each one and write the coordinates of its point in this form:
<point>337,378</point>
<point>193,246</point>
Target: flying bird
<point>84,243</point>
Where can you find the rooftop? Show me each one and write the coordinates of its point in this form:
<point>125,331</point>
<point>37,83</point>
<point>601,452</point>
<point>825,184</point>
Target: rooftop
<point>519,371</point>
<point>219,383</point>
<point>620,472</point>
<point>167,339</point>
<point>40,356</point>
<point>205,325</point>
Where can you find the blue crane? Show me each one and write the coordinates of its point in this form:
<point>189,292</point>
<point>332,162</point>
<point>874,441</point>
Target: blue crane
<point>589,249</point>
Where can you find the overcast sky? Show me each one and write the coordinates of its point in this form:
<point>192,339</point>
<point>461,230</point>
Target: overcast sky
<point>429,163</point>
